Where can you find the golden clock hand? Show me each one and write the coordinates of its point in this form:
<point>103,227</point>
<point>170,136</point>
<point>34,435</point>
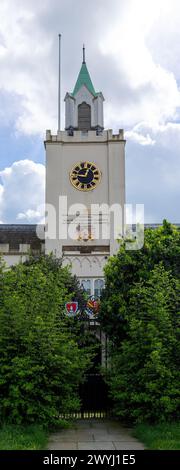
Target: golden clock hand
<point>84,176</point>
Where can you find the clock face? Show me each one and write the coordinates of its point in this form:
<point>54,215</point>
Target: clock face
<point>85,176</point>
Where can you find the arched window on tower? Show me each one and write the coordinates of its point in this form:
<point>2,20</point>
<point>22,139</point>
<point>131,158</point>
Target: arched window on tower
<point>84,117</point>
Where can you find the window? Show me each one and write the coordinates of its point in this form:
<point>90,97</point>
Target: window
<point>93,286</point>
<point>98,287</point>
<point>86,284</point>
<point>84,117</point>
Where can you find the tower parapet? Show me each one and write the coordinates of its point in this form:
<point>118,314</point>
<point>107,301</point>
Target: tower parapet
<point>81,136</point>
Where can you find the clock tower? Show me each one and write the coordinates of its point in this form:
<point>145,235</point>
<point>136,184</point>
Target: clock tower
<point>85,185</point>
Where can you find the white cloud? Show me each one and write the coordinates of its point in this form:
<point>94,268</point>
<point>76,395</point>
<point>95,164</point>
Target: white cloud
<point>22,192</point>
<point>1,199</point>
<point>130,64</point>
<point>139,138</point>
<point>30,215</point>
<point>165,135</point>
<point>153,89</point>
<point>25,59</point>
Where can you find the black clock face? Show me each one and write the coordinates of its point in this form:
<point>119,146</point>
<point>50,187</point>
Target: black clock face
<point>85,176</point>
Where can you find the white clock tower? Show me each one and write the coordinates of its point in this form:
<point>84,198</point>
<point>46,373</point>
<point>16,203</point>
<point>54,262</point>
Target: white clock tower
<point>85,185</point>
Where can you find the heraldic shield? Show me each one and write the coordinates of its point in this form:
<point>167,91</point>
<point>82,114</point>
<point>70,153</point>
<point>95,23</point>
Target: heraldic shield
<point>71,308</point>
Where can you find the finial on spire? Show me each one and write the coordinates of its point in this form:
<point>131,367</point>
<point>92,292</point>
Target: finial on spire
<point>84,59</point>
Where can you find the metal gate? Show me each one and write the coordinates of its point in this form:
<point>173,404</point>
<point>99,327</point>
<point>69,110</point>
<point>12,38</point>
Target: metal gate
<point>93,392</point>
<point>94,397</point>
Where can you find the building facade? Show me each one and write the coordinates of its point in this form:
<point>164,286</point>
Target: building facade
<point>85,179</point>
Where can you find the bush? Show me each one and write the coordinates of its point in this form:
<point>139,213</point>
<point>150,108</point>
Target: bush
<point>163,436</point>
<point>144,379</point>
<point>41,364</point>
<point>139,312</point>
<point>129,267</point>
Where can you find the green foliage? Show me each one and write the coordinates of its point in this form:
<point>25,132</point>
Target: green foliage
<point>144,377</point>
<point>54,265</point>
<point>164,436</point>
<point>140,312</point>
<point>14,437</point>
<point>128,267</point>
<point>41,363</point>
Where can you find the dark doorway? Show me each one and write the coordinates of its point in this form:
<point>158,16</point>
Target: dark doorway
<point>84,117</point>
<point>94,390</point>
<point>94,397</point>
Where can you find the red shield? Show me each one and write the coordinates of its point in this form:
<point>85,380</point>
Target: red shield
<point>71,307</point>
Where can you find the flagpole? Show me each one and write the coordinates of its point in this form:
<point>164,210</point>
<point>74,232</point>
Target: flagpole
<point>59,87</point>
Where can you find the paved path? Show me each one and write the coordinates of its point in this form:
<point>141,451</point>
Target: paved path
<point>95,435</point>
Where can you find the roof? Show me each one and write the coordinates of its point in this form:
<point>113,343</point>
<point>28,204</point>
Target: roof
<point>84,79</point>
<point>14,234</point>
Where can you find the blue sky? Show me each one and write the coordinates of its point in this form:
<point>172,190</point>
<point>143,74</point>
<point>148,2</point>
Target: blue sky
<point>15,147</point>
<point>132,52</point>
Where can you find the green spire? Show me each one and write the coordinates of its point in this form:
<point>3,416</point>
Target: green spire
<point>84,78</point>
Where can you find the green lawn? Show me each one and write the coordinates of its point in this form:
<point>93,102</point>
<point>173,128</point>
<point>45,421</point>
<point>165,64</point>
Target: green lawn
<point>23,437</point>
<point>159,436</point>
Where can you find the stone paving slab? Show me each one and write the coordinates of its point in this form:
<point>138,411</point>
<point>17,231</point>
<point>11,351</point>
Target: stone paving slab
<point>77,436</point>
<point>130,445</point>
<point>98,445</point>
<point>117,437</point>
<point>99,434</point>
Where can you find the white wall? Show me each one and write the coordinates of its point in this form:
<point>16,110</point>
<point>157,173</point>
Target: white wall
<point>62,153</point>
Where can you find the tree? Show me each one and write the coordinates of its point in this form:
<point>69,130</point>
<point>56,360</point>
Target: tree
<point>144,379</point>
<point>129,267</point>
<point>139,312</point>
<point>41,363</point>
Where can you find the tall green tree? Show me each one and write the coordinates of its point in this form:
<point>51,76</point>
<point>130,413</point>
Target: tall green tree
<point>144,378</point>
<point>140,314</point>
<point>129,267</point>
<point>41,363</point>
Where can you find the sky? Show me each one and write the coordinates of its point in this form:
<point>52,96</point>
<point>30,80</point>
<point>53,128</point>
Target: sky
<point>132,54</point>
